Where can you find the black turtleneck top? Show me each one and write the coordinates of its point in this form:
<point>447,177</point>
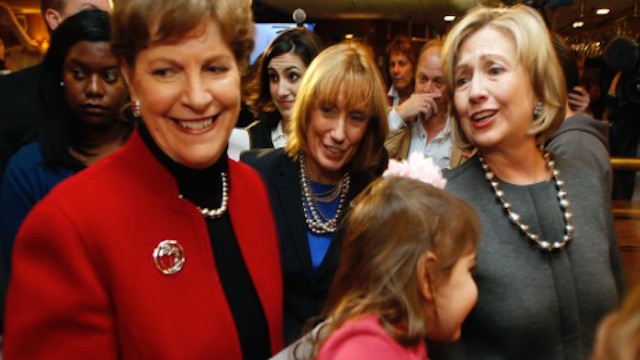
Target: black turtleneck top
<point>203,187</point>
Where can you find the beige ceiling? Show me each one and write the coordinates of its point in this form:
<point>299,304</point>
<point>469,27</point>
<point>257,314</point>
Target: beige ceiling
<point>432,11</point>
<point>24,5</point>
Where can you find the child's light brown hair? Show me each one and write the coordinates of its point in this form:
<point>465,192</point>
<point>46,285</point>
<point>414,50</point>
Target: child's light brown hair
<point>392,224</point>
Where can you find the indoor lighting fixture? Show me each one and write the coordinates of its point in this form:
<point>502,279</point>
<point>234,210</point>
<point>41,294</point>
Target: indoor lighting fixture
<point>603,11</point>
<point>348,36</point>
<point>578,24</point>
<point>449,18</point>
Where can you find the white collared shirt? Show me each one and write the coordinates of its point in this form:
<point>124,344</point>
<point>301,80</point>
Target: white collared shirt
<point>278,136</point>
<point>394,119</point>
<point>393,94</point>
<point>439,148</point>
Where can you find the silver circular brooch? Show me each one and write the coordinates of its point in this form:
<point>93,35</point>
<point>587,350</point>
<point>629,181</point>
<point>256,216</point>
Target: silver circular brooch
<point>169,257</point>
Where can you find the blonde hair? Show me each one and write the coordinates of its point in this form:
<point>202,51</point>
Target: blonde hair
<point>378,270</point>
<point>138,24</point>
<point>431,44</point>
<point>535,54</point>
<point>619,333</point>
<point>351,66</point>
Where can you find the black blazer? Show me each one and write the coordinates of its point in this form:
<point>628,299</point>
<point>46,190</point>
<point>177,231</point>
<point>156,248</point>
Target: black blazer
<point>260,130</point>
<point>19,109</point>
<point>19,102</point>
<point>304,291</point>
<point>259,135</point>
<point>19,112</point>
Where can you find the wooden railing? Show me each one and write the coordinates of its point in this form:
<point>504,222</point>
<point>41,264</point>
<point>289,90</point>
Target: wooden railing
<point>627,218</point>
<point>625,163</point>
<point>626,209</point>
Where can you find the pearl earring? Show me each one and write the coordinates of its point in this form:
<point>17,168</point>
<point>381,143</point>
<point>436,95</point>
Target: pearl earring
<point>538,110</point>
<point>135,108</point>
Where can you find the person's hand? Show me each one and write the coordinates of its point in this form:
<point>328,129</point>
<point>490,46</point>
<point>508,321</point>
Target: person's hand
<point>422,105</point>
<point>579,99</point>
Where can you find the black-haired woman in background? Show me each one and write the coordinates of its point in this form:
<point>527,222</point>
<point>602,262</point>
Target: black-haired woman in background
<point>82,95</point>
<point>282,66</point>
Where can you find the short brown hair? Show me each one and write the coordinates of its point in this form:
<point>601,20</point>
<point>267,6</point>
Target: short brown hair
<point>57,5</point>
<point>535,53</point>
<point>138,24</point>
<point>349,64</point>
<point>400,44</point>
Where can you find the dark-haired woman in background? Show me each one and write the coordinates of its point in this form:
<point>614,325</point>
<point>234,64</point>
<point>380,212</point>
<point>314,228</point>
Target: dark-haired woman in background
<point>282,66</point>
<point>82,95</point>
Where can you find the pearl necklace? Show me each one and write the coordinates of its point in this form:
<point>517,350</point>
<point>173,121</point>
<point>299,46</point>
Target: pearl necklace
<point>329,195</point>
<point>317,222</point>
<point>216,213</point>
<point>515,217</point>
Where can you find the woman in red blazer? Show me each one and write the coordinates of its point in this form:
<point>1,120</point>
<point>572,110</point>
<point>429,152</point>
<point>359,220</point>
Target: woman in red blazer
<point>166,249</point>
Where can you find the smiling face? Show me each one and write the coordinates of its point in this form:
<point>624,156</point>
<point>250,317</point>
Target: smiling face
<point>493,97</point>
<point>454,298</point>
<point>93,86</point>
<point>401,71</point>
<point>333,135</point>
<point>285,74</point>
<point>189,94</point>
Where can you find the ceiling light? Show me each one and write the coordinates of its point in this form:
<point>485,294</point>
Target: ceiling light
<point>603,11</point>
<point>449,18</point>
<point>578,24</point>
<point>348,36</point>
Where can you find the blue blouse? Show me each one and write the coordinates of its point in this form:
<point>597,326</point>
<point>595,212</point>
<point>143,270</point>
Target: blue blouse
<point>26,181</point>
<point>319,244</point>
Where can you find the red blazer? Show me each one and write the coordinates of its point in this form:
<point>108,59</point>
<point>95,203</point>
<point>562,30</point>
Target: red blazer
<point>84,282</point>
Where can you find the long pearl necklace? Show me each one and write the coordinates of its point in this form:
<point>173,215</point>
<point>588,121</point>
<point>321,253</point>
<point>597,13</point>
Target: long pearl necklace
<point>317,222</point>
<point>515,217</point>
<point>217,213</point>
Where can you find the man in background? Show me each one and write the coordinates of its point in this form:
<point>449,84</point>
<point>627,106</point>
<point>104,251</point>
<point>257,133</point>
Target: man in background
<point>422,123</point>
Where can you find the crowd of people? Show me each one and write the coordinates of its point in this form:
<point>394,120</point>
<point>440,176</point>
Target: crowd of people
<point>443,208</point>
